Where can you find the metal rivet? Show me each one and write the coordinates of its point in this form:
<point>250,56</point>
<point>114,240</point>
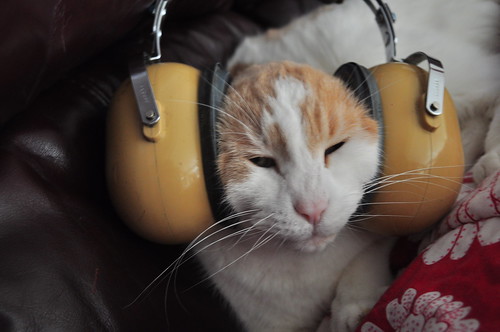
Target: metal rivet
<point>435,106</point>
<point>150,115</point>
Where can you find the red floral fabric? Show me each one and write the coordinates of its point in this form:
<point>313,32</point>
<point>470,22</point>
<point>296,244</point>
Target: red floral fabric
<point>454,283</point>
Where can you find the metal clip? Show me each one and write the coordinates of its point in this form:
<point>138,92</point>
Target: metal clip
<point>385,17</point>
<point>143,92</point>
<point>435,84</point>
<point>160,11</point>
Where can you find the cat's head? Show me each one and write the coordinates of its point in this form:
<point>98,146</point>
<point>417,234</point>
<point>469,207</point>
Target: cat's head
<point>296,149</point>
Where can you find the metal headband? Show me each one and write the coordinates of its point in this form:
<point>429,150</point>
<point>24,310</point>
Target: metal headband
<point>385,17</point>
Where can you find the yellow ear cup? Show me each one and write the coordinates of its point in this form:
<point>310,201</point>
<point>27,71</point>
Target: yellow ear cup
<point>155,174</point>
<point>422,158</point>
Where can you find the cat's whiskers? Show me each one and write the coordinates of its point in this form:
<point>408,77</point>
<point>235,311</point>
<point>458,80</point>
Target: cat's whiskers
<point>395,203</point>
<point>261,241</point>
<point>282,243</point>
<point>182,259</point>
<point>244,233</point>
<point>354,227</point>
<point>419,170</point>
<point>415,181</point>
<point>412,176</point>
<point>355,220</point>
<point>231,234</point>
<point>368,216</point>
<point>172,267</point>
<point>195,243</point>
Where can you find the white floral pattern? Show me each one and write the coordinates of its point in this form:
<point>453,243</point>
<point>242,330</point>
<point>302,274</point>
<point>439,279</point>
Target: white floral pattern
<point>475,216</point>
<point>457,242</point>
<point>430,312</point>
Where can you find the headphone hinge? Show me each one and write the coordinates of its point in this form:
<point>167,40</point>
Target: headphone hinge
<point>143,91</point>
<point>434,95</point>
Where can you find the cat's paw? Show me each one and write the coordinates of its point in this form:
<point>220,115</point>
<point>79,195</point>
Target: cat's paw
<point>346,317</point>
<point>488,164</point>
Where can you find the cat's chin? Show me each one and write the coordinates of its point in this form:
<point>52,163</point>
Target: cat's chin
<point>315,243</point>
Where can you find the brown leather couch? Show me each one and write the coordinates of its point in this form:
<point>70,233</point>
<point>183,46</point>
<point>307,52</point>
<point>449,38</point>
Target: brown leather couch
<point>67,262</point>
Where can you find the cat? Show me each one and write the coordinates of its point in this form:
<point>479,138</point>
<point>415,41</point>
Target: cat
<point>297,152</point>
<point>463,34</point>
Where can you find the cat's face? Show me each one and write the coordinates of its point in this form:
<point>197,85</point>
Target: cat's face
<point>295,151</point>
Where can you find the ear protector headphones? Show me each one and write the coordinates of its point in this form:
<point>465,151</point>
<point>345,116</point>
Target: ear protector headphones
<point>162,143</point>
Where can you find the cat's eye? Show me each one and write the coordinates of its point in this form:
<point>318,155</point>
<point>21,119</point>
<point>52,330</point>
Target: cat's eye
<point>334,148</point>
<point>265,162</point>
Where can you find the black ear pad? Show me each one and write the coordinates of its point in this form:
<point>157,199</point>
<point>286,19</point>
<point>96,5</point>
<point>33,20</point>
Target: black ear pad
<point>362,83</point>
<point>364,86</point>
<point>211,91</point>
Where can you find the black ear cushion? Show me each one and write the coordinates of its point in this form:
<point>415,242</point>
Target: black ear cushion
<point>211,91</point>
<point>364,86</point>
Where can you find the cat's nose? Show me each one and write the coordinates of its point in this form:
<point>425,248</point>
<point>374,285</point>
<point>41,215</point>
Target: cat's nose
<point>311,211</point>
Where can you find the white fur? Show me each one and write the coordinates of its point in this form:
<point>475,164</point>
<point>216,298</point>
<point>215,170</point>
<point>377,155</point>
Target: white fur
<point>463,34</point>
